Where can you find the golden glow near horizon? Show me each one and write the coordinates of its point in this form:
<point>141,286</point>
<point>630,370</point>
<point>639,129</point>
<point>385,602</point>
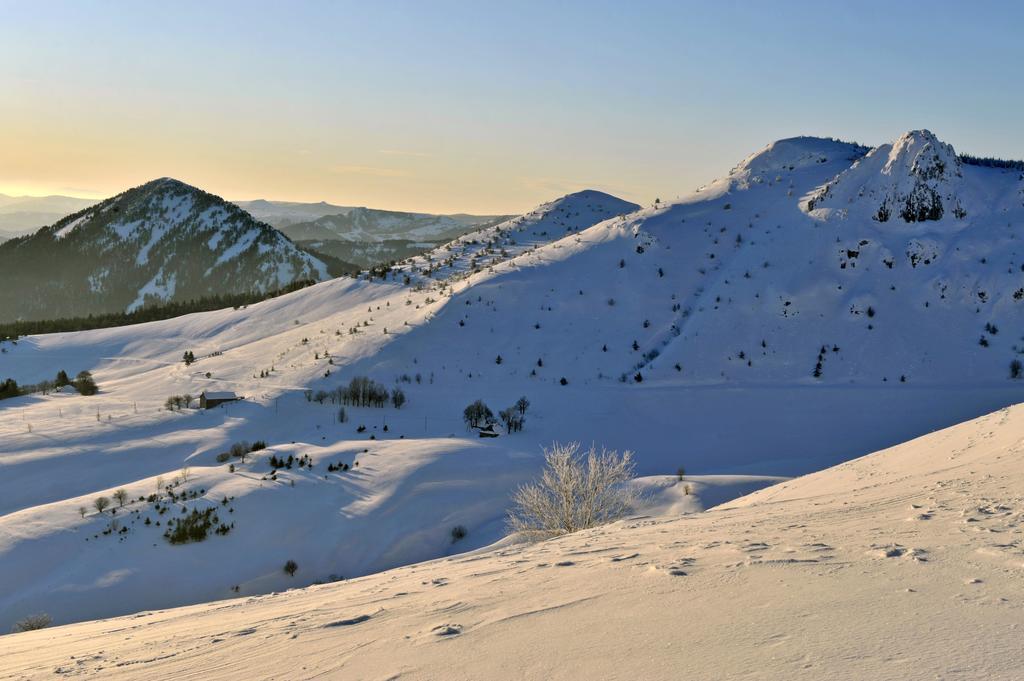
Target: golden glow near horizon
<point>91,161</point>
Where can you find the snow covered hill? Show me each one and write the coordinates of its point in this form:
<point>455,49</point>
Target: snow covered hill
<point>158,242</point>
<point>738,331</point>
<point>903,564</point>
<point>739,285</point>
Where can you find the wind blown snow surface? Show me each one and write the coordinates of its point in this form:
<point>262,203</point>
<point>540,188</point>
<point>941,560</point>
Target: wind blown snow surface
<point>903,564</point>
<point>736,332</point>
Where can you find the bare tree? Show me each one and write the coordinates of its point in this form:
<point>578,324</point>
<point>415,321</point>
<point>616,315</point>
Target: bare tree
<point>186,470</point>
<point>577,490</point>
<point>101,503</point>
<point>121,496</point>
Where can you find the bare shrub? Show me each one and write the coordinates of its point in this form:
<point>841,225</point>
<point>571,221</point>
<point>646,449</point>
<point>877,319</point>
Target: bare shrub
<point>32,622</point>
<point>577,490</point>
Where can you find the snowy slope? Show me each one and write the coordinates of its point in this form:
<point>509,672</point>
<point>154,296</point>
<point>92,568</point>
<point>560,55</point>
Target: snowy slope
<point>903,564</point>
<point>665,344</point>
<point>739,285</point>
<point>158,242</point>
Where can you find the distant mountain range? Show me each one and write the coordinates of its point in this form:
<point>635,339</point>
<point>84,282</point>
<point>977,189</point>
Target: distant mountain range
<point>366,236</point>
<point>162,241</point>
<point>24,214</point>
<point>351,237</point>
<point>281,214</point>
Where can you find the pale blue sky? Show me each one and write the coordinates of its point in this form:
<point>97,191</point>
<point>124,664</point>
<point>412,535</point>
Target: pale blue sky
<point>481,106</point>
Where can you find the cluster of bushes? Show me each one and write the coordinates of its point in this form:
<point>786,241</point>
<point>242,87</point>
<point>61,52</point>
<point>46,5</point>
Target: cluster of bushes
<point>304,461</point>
<point>83,383</point>
<point>178,402</point>
<point>479,415</point>
<point>361,391</point>
<point>240,449</point>
<point>195,526</point>
<point>364,392</point>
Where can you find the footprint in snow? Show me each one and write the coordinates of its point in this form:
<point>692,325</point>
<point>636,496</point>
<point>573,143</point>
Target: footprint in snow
<point>447,630</point>
<point>618,559</point>
<point>348,622</point>
<point>898,551</point>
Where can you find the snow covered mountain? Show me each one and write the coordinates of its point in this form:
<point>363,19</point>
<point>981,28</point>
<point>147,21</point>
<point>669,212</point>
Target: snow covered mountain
<point>369,225</point>
<point>162,241</point>
<point>742,330</point>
